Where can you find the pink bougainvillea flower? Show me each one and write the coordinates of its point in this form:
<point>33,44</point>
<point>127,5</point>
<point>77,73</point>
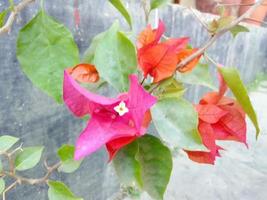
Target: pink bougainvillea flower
<point>84,73</point>
<point>114,121</point>
<point>220,118</point>
<point>160,59</point>
<point>115,145</point>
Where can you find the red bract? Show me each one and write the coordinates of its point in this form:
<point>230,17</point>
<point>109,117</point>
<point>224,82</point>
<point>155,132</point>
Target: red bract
<point>158,59</point>
<point>220,118</point>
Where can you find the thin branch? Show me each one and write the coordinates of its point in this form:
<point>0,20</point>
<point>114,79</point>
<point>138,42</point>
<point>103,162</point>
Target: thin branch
<point>19,148</point>
<point>35,181</point>
<point>146,8</point>
<point>10,161</point>
<point>219,34</point>
<point>154,88</point>
<point>8,25</point>
<point>9,188</point>
<point>143,80</point>
<point>195,14</point>
<point>209,59</point>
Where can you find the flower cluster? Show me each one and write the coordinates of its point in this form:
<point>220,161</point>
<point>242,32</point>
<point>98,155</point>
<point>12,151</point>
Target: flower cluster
<point>220,118</point>
<point>160,59</point>
<point>116,122</point>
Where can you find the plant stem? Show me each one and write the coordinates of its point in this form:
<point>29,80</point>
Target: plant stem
<point>214,37</point>
<point>34,181</point>
<point>16,9</point>
<point>146,8</point>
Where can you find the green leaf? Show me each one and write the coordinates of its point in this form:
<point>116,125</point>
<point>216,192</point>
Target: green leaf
<point>238,29</point>
<point>44,49</point>
<point>28,158</point>
<point>90,52</point>
<point>234,82</point>
<point>170,88</point>
<point>2,185</point>
<point>121,8</point>
<point>1,165</point>
<point>157,3</point>
<point>59,191</point>
<point>147,162</point>
<point>156,165</point>
<point>177,123</point>
<point>6,142</point>
<point>199,76</point>
<point>3,15</point>
<point>115,58</point>
<point>217,25</point>
<point>224,21</point>
<point>127,167</point>
<point>68,164</point>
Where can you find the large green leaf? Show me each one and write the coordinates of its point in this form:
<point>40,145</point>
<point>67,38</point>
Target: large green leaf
<point>59,191</point>
<point>234,82</point>
<point>199,76</point>
<point>127,167</point>
<point>121,8</point>
<point>176,121</point>
<point>6,142</point>
<point>115,58</point>
<point>68,164</point>
<point>28,158</point>
<point>44,49</point>
<point>2,185</point>
<point>90,52</point>
<point>156,165</point>
<point>146,162</point>
<point>157,3</point>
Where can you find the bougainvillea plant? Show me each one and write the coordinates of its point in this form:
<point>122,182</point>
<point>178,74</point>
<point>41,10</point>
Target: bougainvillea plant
<point>150,76</point>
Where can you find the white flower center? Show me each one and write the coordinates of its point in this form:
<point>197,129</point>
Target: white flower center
<point>121,108</point>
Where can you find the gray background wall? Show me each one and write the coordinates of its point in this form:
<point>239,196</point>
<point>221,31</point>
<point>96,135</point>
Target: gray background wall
<point>28,113</point>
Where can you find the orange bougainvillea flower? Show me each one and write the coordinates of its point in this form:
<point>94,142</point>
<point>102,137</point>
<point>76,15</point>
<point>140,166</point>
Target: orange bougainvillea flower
<point>150,36</point>
<point>84,73</point>
<point>220,118</point>
<point>189,66</point>
<point>158,59</point>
